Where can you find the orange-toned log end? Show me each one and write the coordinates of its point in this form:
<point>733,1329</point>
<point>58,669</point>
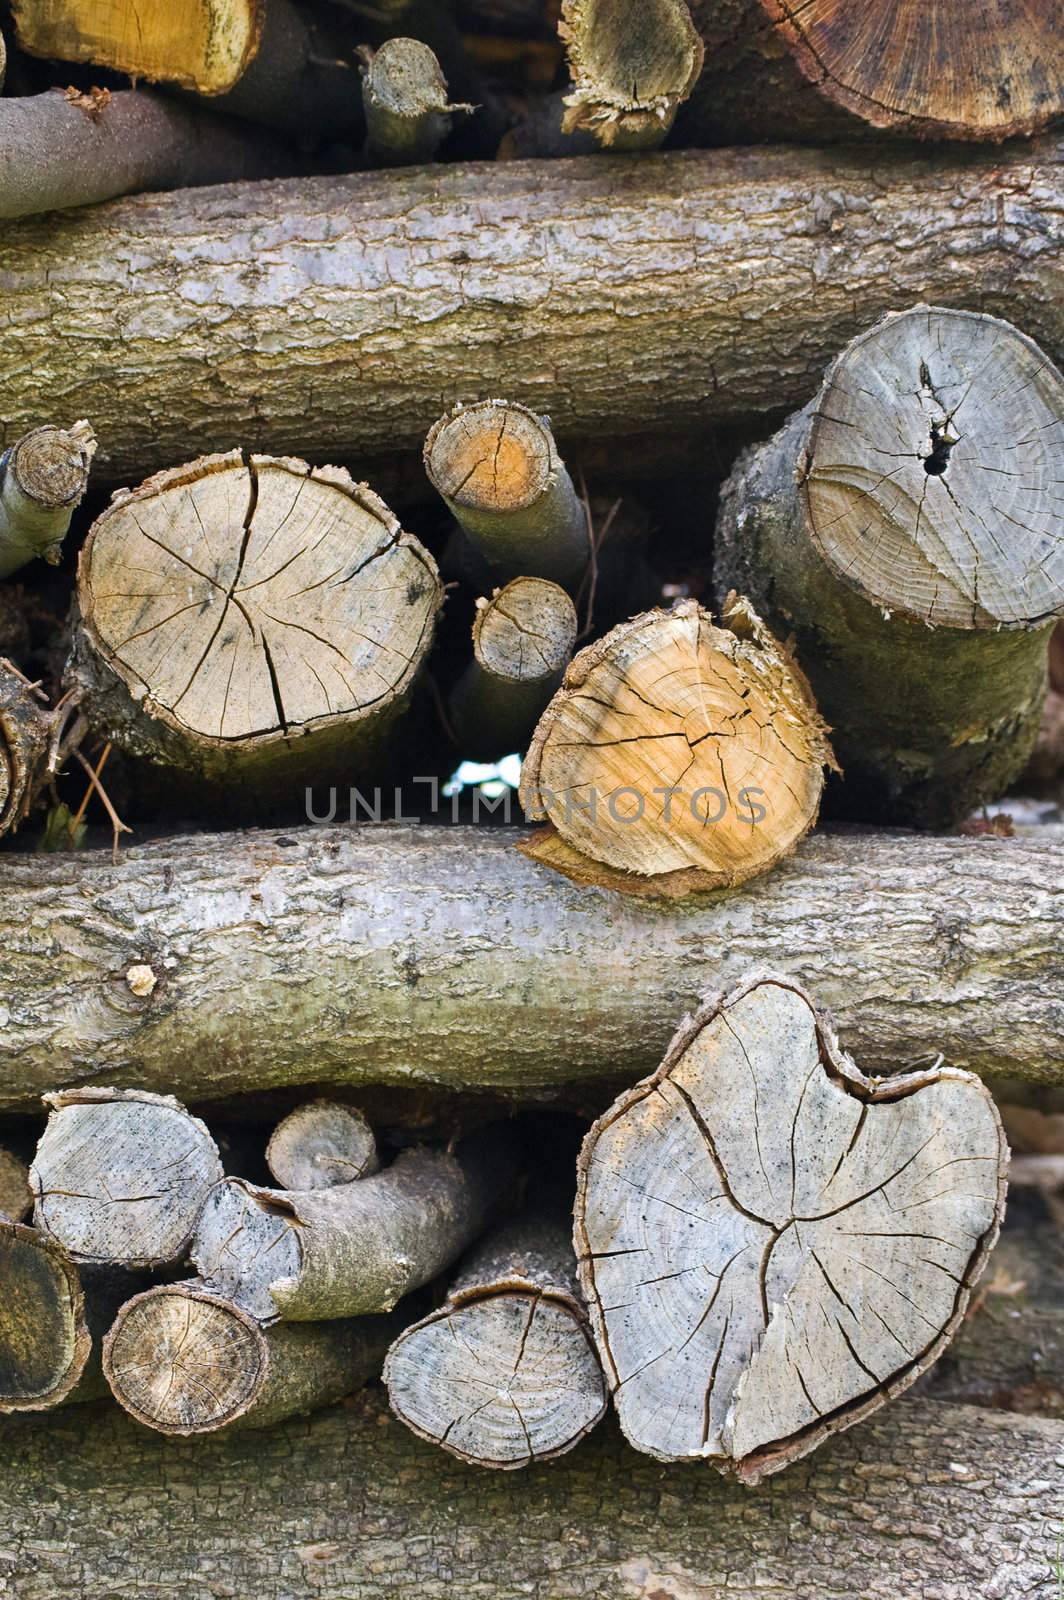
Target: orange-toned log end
<point>932,68</point>
<point>678,756</point>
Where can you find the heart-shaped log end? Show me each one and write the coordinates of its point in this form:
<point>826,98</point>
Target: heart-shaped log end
<point>773,1245</point>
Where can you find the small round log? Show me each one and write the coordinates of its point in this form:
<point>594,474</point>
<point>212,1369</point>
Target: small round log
<point>120,1176</point>
<point>321,1144</point>
<point>497,467</point>
<point>523,640</point>
<point>44,1337</point>
<point>633,63</point>
<point>404,96</point>
<point>183,1360</point>
<point>43,477</point>
<point>771,1244</point>
<point>252,620</point>
<point>677,756</point>
<point>25,731</point>
<point>353,1250</point>
<point>505,1373</point>
<point>902,526</point>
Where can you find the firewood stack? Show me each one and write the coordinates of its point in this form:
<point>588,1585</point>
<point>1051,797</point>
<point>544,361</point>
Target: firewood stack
<point>531,798</point>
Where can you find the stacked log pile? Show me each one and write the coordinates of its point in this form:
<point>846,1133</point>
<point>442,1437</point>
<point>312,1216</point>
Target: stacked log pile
<point>531,798</point>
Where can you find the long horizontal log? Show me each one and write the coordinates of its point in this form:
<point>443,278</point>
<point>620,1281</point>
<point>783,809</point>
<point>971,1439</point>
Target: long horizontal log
<point>649,291</point>
<point>433,955</point>
<point>925,1500</point>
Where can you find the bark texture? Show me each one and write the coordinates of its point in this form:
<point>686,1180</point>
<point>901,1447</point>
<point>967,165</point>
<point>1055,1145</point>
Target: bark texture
<point>924,1499</point>
<point>15,1196</point>
<point>902,526</point>
<point>119,1176</point>
<point>59,150</point>
<point>523,640</point>
<point>42,479</point>
<point>633,63</point>
<point>505,1373</point>
<point>734,275</point>
<point>442,957</point>
<point>252,620</point>
<point>677,756</point>
<point>356,1249</point>
<point>25,732</point>
<point>771,1244</point>
<point>185,1361</point>
<point>320,1145</point>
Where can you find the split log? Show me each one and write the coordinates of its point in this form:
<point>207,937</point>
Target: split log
<point>44,1337</point>
<point>120,1175</point>
<point>497,468</point>
<point>353,1250</point>
<point>252,620</point>
<point>924,1498</point>
<point>59,150</point>
<point>505,1373</point>
<point>677,756</point>
<point>768,259</point>
<point>320,1145</point>
<point>772,1245</point>
<point>15,1196</point>
<point>903,526</point>
<point>349,956</point>
<point>404,97</point>
<point>26,729</point>
<point>43,479</point>
<point>277,63</point>
<point>183,1360</point>
<point>841,69</point>
<point>633,63</point>
<point>523,640</point>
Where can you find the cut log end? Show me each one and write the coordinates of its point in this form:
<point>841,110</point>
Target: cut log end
<point>120,1175</point>
<point>256,611</point>
<point>244,1244</point>
<point>204,45</point>
<point>44,1338</point>
<point>773,1245</point>
<point>677,755</point>
<point>42,479</point>
<point>930,67</point>
<point>526,631</point>
<point>633,62</point>
<point>408,111</point>
<point>320,1145</point>
<point>182,1360</point>
<point>932,444</point>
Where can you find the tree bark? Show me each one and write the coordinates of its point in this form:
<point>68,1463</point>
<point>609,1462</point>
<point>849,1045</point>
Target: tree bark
<point>678,756</point>
<point>769,260</point>
<point>900,526</point>
<point>404,97</point>
<point>923,1499</point>
<point>26,728</point>
<point>15,1196</point>
<point>183,1360</point>
<point>633,63</point>
<point>356,1249</point>
<point>119,1176</point>
<point>357,955</point>
<point>505,1373</point>
<point>523,640</point>
<point>60,150</point>
<point>497,468</point>
<point>776,70</point>
<point>320,1145</point>
<point>42,479</point>
<point>773,1245</point>
<point>252,621</point>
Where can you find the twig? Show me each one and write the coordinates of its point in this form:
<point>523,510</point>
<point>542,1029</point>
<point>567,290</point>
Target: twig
<point>117,825</point>
<point>590,578</point>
